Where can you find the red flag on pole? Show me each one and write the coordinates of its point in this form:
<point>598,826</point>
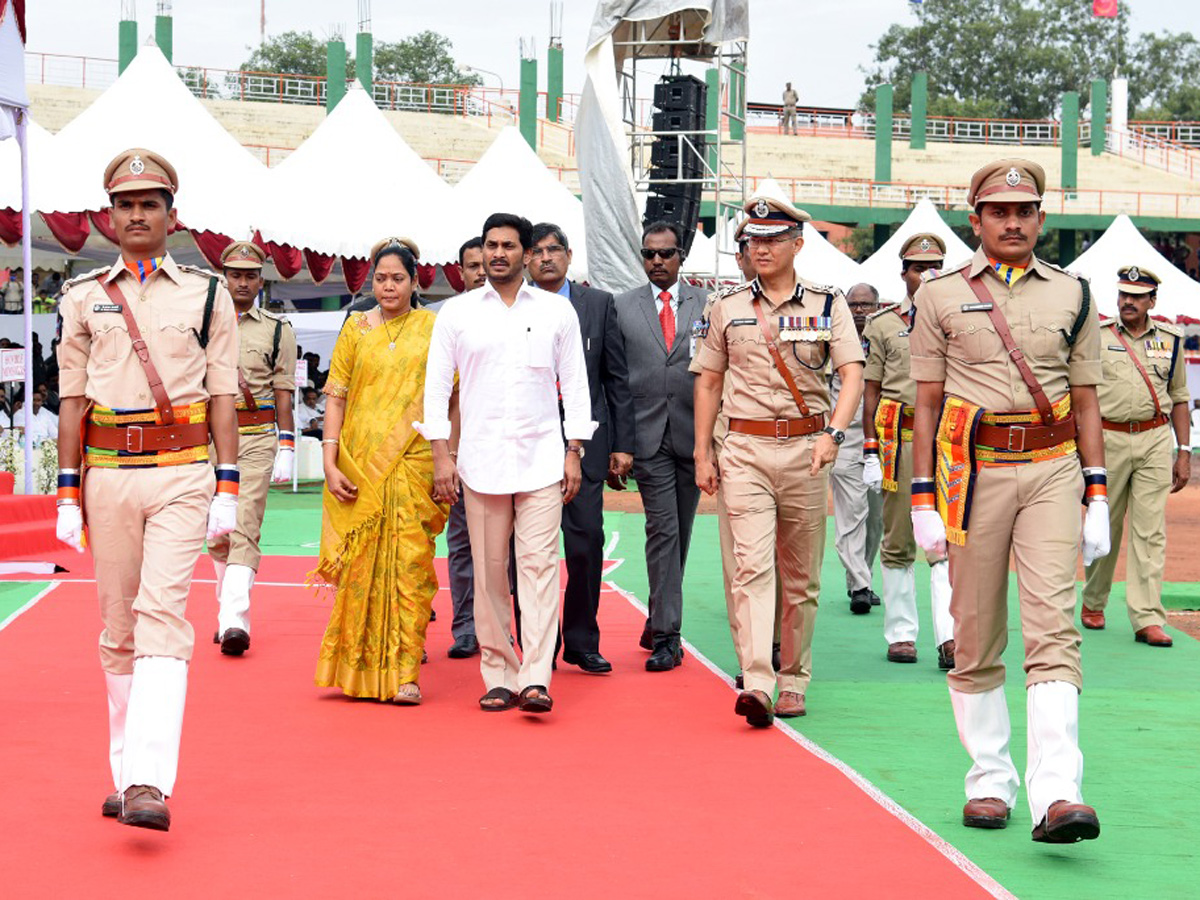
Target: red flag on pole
<point>1104,9</point>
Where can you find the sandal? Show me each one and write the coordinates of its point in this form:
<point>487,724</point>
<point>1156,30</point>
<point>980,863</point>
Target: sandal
<point>408,695</point>
<point>536,699</point>
<point>498,699</point>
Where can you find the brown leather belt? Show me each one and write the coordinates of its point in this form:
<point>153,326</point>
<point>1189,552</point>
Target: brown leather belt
<point>1021,438</point>
<point>906,421</point>
<point>147,438</point>
<point>1136,427</point>
<point>778,428</point>
<point>255,417</point>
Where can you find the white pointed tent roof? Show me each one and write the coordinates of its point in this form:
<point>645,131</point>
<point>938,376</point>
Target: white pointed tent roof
<point>10,166</point>
<point>882,268</point>
<point>1123,245</point>
<point>148,106</point>
<point>510,177</point>
<point>355,181</point>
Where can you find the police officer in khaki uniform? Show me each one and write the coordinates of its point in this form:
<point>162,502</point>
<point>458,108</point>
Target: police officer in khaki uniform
<point>889,393</point>
<point>1006,355</point>
<point>1143,377</point>
<point>772,340</point>
<point>149,355</point>
<point>266,442</point>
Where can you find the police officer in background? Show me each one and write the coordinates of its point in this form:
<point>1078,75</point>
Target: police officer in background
<point>1006,355</point>
<point>267,440</point>
<point>149,352</point>
<point>889,394</point>
<point>772,340</point>
<point>1143,377</point>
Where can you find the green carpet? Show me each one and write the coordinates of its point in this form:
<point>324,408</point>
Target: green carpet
<point>15,594</point>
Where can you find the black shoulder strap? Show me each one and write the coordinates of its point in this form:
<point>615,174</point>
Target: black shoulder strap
<point>208,311</point>
<point>828,305</point>
<point>1084,308</point>
<point>1174,358</point>
<point>275,343</point>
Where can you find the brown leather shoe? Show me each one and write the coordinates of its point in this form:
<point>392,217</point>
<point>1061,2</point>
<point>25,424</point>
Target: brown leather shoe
<point>145,807</point>
<point>756,706</point>
<point>1066,823</point>
<point>112,806</point>
<point>902,652</point>
<point>790,705</point>
<point>1153,635</point>
<point>986,812</point>
<point>946,655</point>
<point>1092,618</point>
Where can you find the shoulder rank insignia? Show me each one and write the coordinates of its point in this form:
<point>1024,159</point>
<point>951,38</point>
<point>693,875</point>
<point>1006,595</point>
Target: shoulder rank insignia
<point>1168,328</point>
<point>201,271</point>
<point>947,272</point>
<point>891,306</point>
<point>80,279</point>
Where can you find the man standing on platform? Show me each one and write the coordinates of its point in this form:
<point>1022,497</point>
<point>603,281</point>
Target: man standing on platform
<point>772,340</point>
<point>1144,376</point>
<point>149,353</point>
<point>857,511</point>
<point>1006,356</point>
<point>516,350</point>
<point>658,324</point>
<point>790,99</point>
<point>609,454</point>
<point>266,438</point>
<point>890,393</point>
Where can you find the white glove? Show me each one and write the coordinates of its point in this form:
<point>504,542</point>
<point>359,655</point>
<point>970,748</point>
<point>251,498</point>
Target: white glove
<point>69,528</point>
<point>929,531</point>
<point>873,473</point>
<point>285,462</point>
<point>1096,540</point>
<point>222,516</point>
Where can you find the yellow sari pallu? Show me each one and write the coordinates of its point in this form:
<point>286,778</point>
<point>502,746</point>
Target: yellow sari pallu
<point>378,551</point>
<point>889,428</point>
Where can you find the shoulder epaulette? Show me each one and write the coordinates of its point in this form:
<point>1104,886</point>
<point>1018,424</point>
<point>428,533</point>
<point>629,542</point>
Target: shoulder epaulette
<point>80,279</point>
<point>1050,265</point>
<point>1170,329</point>
<point>894,306</point>
<point>201,271</point>
<point>1104,323</point>
<point>818,288</point>
<point>729,291</point>
<point>946,272</point>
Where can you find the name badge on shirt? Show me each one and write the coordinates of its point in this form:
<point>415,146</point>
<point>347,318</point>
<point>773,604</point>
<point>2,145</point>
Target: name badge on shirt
<point>107,307</point>
<point>977,307</point>
<point>743,321</point>
<point>1116,348</point>
<point>806,328</point>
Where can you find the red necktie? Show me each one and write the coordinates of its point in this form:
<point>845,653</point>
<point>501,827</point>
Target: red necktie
<point>666,318</point>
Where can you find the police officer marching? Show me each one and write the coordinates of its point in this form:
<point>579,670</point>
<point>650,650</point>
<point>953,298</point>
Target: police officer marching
<point>772,340</point>
<point>1006,355</point>
<point>147,373</point>
<point>1143,377</point>
<point>266,438</point>
<point>889,394</point>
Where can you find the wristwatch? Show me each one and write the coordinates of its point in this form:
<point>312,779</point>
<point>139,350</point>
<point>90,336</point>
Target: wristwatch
<point>579,450</point>
<point>838,436</point>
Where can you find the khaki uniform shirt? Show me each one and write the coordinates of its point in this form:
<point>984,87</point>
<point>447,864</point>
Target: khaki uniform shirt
<point>95,355</point>
<point>256,342</point>
<point>954,343</point>
<point>790,98</point>
<point>754,388</point>
<point>887,335</point>
<point>1123,394</point>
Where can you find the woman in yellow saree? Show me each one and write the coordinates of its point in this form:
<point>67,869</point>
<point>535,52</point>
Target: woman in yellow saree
<point>380,520</point>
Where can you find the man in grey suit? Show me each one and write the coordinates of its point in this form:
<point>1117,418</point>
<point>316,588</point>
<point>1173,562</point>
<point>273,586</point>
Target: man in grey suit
<point>657,321</point>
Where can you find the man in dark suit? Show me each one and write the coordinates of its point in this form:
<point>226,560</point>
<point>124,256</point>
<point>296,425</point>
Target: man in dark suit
<point>658,321</point>
<point>608,454</point>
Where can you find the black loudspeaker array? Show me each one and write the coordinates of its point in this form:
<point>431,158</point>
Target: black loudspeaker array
<point>680,104</point>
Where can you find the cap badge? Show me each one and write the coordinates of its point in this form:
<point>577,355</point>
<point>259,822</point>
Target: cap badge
<point>1013,178</point>
<point>762,209</point>
<point>244,252</point>
<point>1133,274</point>
<point>924,245</point>
<point>136,166</point>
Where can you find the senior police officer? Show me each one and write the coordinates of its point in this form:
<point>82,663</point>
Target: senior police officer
<point>266,442</point>
<point>1143,377</point>
<point>889,393</point>
<point>149,355</point>
<point>772,340</point>
<point>1006,355</point>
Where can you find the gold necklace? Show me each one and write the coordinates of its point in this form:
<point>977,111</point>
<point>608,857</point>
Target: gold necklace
<point>388,328</point>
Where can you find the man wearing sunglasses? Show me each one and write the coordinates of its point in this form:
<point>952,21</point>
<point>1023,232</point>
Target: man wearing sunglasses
<point>658,323</point>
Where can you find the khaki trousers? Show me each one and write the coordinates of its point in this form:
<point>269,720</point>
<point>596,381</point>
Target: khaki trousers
<point>1139,479</point>
<point>776,516</point>
<point>146,528</point>
<point>256,462</point>
<point>1032,511</point>
<point>728,563</point>
<point>533,518</point>
<point>899,546</point>
<point>857,523</point>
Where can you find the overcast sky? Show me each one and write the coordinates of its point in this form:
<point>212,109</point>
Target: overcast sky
<point>817,44</point>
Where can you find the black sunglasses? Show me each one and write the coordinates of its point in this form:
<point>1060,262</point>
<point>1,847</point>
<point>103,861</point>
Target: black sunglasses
<point>664,253</point>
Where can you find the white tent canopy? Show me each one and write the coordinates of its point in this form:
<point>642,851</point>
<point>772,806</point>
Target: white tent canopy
<point>510,177</point>
<point>354,181</point>
<point>10,166</point>
<point>1123,245</point>
<point>882,268</point>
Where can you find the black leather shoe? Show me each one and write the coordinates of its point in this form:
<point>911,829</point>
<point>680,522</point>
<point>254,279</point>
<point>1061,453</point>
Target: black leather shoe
<point>235,642</point>
<point>464,647</point>
<point>776,662</point>
<point>875,601</point>
<point>433,615</point>
<point>740,681</point>
<point>592,663</point>
<point>646,641</point>
<point>666,656</point>
<point>860,602</point>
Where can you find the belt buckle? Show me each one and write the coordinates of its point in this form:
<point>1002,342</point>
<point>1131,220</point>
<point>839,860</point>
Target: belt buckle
<point>130,431</point>
<point>1132,427</point>
<point>1018,430</point>
<point>782,429</point>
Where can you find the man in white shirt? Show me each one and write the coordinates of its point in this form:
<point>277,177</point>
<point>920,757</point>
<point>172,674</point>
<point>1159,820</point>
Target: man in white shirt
<point>516,348</point>
<point>45,423</point>
<point>310,418</point>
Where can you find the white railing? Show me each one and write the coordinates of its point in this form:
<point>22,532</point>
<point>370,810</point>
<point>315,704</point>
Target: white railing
<point>1170,157</point>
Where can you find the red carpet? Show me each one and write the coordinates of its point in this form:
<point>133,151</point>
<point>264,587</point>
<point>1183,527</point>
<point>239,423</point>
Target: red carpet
<point>637,785</point>
<point>27,526</point>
